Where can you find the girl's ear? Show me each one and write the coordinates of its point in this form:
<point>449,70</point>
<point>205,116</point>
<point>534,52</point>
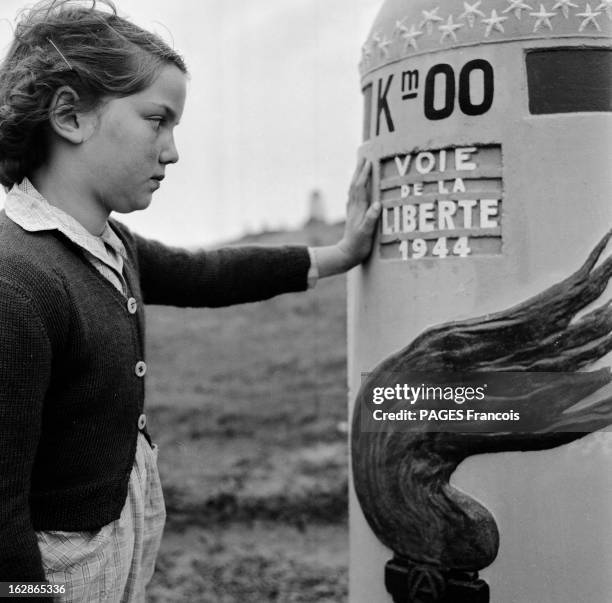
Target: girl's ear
<point>65,118</point>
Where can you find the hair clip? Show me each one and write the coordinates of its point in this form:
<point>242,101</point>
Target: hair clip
<point>60,53</point>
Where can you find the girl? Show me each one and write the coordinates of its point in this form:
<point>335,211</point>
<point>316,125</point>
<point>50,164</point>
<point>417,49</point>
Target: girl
<point>88,107</point>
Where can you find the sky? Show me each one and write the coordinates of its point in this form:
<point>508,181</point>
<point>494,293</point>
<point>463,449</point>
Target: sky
<point>273,111</point>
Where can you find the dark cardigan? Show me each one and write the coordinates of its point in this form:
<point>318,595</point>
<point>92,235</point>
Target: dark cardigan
<point>70,394</point>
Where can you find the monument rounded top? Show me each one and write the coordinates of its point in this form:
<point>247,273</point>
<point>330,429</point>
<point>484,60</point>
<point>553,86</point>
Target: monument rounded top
<point>403,29</point>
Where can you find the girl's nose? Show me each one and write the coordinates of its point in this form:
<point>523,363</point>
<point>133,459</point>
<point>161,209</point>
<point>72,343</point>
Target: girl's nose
<point>169,153</point>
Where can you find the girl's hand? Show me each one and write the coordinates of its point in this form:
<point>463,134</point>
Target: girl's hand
<point>361,218</point>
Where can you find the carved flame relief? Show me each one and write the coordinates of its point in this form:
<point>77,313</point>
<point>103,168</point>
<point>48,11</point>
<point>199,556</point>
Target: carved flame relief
<point>402,478</point>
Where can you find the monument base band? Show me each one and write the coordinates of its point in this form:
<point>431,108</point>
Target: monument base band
<point>408,582</point>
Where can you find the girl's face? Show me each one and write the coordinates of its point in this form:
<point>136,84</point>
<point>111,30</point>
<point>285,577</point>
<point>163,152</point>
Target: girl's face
<point>133,142</point>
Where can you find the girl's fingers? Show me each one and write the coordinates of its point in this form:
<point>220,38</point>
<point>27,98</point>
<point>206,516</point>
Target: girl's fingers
<point>365,172</point>
<point>372,216</point>
<point>358,169</point>
<point>374,211</point>
<point>358,192</point>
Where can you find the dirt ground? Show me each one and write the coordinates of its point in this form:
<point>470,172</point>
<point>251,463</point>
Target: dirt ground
<point>247,405</point>
<point>252,562</point>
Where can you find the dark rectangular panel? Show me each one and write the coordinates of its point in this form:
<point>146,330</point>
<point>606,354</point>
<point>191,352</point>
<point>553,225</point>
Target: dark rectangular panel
<point>567,80</point>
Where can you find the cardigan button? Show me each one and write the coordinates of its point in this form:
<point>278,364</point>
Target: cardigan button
<point>140,369</point>
<point>132,305</point>
<point>142,421</point>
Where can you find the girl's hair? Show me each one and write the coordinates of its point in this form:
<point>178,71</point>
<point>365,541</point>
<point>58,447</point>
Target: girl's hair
<point>62,42</point>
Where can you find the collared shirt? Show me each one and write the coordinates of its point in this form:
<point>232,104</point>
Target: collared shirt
<point>28,208</point>
<point>76,559</point>
<point>106,253</point>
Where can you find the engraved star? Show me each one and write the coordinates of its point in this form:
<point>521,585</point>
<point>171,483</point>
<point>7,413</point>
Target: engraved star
<point>589,17</point>
<point>564,5</point>
<point>410,36</point>
<point>366,52</point>
<point>607,4</point>
<point>449,28</point>
<point>517,6</point>
<point>431,16</point>
<point>400,26</point>
<point>471,12</point>
<point>369,48</point>
<point>382,44</point>
<point>494,22</point>
<point>542,17</point>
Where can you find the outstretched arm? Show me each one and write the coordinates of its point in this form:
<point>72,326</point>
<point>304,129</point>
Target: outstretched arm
<point>232,275</point>
<point>356,244</point>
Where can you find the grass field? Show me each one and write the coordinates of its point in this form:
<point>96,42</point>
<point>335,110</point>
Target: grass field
<point>246,404</point>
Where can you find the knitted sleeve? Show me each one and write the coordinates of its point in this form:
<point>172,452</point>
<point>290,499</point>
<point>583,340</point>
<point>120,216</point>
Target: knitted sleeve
<point>231,275</point>
<point>25,366</point>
